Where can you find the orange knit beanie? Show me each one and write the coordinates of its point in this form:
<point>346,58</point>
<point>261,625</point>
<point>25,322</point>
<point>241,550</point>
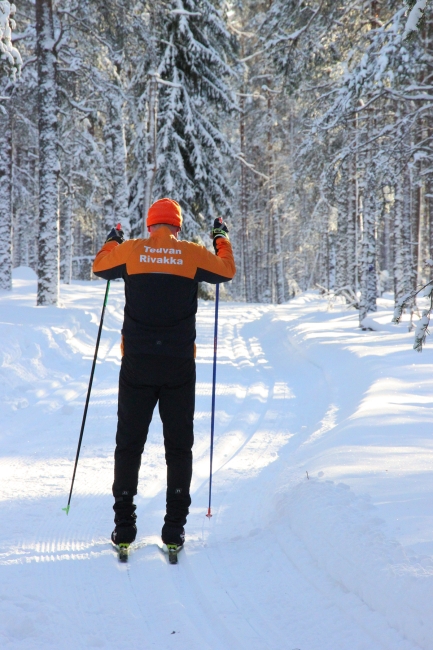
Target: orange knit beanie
<point>165,211</point>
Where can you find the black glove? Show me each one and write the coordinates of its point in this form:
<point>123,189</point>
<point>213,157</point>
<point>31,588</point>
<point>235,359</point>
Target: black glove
<point>116,234</point>
<point>219,230</point>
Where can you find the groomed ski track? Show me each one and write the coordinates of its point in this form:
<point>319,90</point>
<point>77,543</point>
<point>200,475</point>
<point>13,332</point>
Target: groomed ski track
<point>303,551</point>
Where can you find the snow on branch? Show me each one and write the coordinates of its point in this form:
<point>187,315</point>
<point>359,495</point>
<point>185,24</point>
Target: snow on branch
<point>415,16</point>
<point>164,82</point>
<point>345,292</point>
<point>184,12</point>
<point>8,52</point>
<point>251,167</point>
<point>421,330</point>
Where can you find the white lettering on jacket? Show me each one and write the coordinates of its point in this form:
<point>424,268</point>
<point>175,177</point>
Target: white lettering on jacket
<point>160,260</point>
<point>170,251</point>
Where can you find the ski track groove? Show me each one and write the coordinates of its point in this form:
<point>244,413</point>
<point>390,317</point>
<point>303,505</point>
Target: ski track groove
<point>198,595</point>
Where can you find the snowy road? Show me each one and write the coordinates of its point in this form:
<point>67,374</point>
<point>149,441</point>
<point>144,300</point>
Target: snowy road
<point>341,560</point>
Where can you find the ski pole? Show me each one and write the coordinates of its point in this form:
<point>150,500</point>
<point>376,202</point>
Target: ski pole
<point>212,421</point>
<point>88,396</point>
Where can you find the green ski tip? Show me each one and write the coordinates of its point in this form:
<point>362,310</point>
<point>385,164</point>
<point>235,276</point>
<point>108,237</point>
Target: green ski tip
<point>66,509</point>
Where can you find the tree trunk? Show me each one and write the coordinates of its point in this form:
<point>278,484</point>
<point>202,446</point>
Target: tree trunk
<point>279,266</point>
<point>352,231</point>
<point>408,248</point>
<point>109,217</point>
<point>151,144</point>
<point>429,132</point>
<point>6,201</point>
<point>48,259</point>
<point>331,261</point>
<point>68,238</point>
<point>274,242</point>
<point>429,218</point>
<point>244,204</point>
<point>342,227</point>
<point>418,233</point>
<point>116,203</point>
<point>119,181</point>
<point>369,272</point>
<point>399,254</point>
<point>322,271</point>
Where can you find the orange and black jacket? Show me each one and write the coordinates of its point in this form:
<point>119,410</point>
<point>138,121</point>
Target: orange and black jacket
<point>161,277</point>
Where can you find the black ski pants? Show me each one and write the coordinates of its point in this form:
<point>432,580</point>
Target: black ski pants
<point>145,380</point>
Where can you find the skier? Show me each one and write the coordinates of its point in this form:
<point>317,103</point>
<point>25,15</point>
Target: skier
<point>161,277</point>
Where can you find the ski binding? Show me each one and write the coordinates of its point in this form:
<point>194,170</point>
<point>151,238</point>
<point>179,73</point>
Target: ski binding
<point>122,551</point>
<point>173,551</point>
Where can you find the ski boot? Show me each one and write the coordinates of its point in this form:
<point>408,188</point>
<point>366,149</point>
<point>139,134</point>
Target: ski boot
<point>173,540</point>
<point>125,530</point>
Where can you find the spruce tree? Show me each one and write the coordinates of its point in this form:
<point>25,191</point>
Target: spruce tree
<point>194,102</point>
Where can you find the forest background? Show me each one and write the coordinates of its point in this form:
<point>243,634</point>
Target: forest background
<point>306,124</point>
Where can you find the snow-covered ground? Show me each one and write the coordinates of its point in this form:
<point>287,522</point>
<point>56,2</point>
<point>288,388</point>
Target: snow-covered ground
<point>322,534</point>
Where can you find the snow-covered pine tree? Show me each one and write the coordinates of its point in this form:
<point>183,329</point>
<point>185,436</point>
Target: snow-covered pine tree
<point>10,58</point>
<point>341,274</point>
<point>401,239</point>
<point>5,199</point>
<point>328,66</point>
<point>96,93</point>
<point>195,101</point>
<point>253,237</point>
<point>246,254</point>
<point>25,163</point>
<point>143,95</point>
<point>368,280</point>
<point>48,238</point>
<point>275,248</point>
<point>113,24</point>
<point>376,70</point>
<point>352,223</point>
<point>299,47</point>
<point>10,66</point>
<point>150,97</point>
<point>415,16</point>
<point>116,204</point>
